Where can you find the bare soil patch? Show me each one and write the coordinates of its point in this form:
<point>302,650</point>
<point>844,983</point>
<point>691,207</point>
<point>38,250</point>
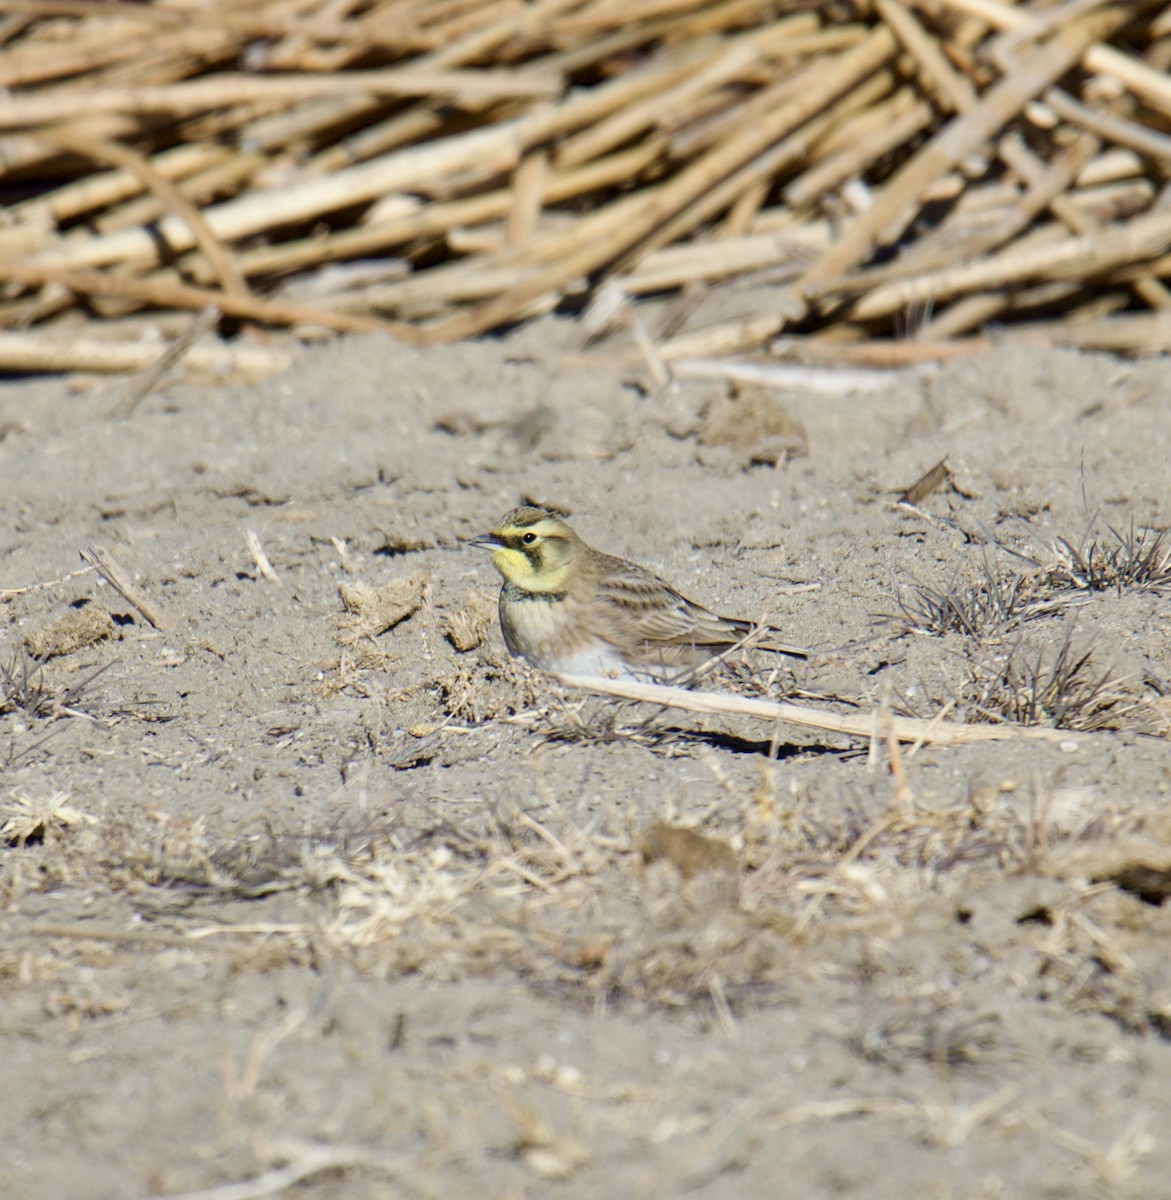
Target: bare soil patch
<point>335,890</point>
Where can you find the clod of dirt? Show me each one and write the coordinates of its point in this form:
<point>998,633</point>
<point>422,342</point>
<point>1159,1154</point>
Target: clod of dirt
<point>78,628</point>
<point>371,611</point>
<point>467,628</point>
<point>402,543</point>
<point>690,853</point>
<point>753,423</point>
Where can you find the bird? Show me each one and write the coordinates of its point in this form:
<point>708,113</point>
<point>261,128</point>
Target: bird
<point>573,610</point>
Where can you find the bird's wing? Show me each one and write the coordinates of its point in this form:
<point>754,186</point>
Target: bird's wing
<point>655,612</point>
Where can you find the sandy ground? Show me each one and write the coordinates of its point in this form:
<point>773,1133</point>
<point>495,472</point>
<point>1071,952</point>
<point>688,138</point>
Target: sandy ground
<point>289,894</point>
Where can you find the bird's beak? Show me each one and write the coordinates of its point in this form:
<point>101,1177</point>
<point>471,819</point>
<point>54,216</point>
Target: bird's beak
<point>488,541</point>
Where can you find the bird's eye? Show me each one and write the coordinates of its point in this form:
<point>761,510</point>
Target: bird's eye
<point>529,539</point>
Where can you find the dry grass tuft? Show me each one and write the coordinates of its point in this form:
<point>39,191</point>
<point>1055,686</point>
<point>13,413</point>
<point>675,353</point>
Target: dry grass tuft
<point>577,914</point>
<point>984,609</point>
<point>24,690</point>
<point>997,600</point>
<point>1062,689</point>
<point>28,819</point>
<point>1138,560</point>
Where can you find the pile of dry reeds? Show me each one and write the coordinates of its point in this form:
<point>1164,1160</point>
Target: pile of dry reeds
<point>906,169</point>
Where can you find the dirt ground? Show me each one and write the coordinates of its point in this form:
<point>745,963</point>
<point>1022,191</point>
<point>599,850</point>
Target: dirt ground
<point>295,891</point>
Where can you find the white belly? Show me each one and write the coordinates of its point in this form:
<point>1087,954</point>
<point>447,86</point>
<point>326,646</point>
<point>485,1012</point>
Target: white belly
<point>598,660</point>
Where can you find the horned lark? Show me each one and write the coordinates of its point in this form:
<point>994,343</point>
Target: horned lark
<point>569,608</point>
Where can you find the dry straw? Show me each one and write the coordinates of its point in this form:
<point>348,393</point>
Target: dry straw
<point>952,161</point>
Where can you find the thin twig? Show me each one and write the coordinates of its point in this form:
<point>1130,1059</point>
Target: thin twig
<point>263,566</point>
<point>905,729</point>
<point>140,388</point>
<point>307,1160</point>
<point>119,579</point>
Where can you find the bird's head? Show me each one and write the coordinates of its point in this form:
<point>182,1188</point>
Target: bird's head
<point>532,548</point>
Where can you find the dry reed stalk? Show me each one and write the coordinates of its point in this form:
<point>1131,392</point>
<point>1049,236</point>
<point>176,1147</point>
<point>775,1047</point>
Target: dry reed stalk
<point>1109,167</point>
<point>1149,289</point>
<point>645,224</point>
<point>166,294</point>
<point>94,192</point>
<point>710,128</point>
<point>1110,126</point>
<point>112,571</point>
<point>309,119</point>
<point>692,262</point>
<point>946,243</point>
<point>744,210</point>
<point>691,79</point>
<point>802,145</point>
<point>425,221</point>
<point>877,353</point>
<point>902,729</point>
<point>711,110</point>
<point>765,52</point>
<point>53,353</point>
<point>1090,255</point>
<point>891,130</point>
<point>23,153</point>
<point>857,128</point>
<point>836,380</point>
<point>384,136</point>
<point>950,89</point>
<point>498,146</point>
<point>614,14</point>
<point>895,205</point>
<point>198,95</point>
<point>1133,73</point>
<point>130,160</point>
<point>730,337</point>
<point>469,282</point>
<point>268,17</point>
<point>48,302</point>
<point>38,62</point>
<point>229,174</point>
<point>528,187</point>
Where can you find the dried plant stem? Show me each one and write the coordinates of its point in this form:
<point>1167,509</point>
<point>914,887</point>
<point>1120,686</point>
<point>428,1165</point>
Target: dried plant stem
<point>140,388</point>
<point>516,154</point>
<point>497,147</point>
<point>260,559</point>
<point>93,192</point>
<point>138,165</point>
<point>199,95</point>
<point>429,220</point>
<point>305,1162</point>
<point>1153,85</point>
<point>112,571</point>
<point>897,202</point>
<point>1110,126</point>
<point>177,295</point>
<point>597,241</point>
<point>905,729</point>
<point>1092,254</point>
<point>36,352</point>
